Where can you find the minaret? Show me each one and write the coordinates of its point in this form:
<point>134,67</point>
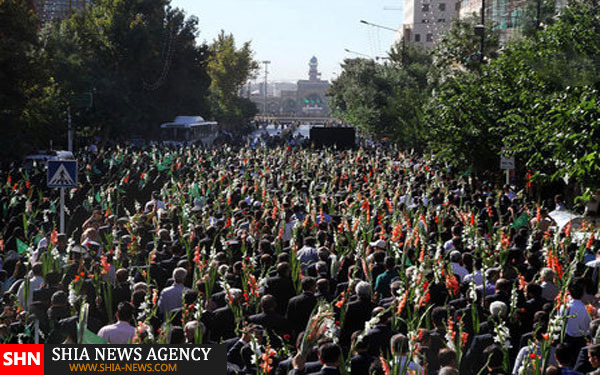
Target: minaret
<point>313,73</point>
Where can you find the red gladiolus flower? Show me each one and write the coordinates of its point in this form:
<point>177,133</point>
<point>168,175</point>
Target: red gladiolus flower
<point>105,265</point>
<point>385,366</point>
<point>590,242</point>
<point>342,300</point>
<point>532,356</point>
<point>452,285</point>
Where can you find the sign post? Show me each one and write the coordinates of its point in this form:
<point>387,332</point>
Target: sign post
<point>62,174</point>
<point>507,163</point>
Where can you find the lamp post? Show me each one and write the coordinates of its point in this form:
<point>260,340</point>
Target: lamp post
<point>390,29</point>
<point>480,31</point>
<point>266,62</point>
<point>358,53</point>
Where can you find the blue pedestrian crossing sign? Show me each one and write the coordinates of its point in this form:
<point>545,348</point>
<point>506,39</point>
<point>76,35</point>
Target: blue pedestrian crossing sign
<point>62,173</point>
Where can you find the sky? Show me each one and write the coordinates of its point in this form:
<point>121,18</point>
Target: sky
<point>289,32</point>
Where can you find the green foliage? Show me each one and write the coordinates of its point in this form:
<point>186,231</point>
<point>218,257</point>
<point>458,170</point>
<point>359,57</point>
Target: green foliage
<point>229,69</point>
<point>130,55</point>
<point>25,83</point>
<point>538,100</point>
<point>384,99</point>
<point>459,48</point>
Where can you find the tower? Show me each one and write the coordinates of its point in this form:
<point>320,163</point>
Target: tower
<point>313,73</point>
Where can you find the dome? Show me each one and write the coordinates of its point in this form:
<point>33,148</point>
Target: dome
<point>313,60</point>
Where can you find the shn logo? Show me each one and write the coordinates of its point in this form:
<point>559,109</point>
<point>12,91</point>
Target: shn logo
<point>61,177</point>
<point>21,358</point>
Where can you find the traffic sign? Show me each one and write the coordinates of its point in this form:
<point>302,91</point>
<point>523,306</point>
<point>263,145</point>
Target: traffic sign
<point>62,173</point>
<point>507,163</point>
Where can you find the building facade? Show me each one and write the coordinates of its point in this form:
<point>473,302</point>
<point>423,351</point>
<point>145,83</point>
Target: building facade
<point>425,20</point>
<point>51,10</point>
<point>308,99</point>
<point>506,16</point>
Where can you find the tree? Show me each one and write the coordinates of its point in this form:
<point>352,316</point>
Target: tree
<point>229,69</point>
<point>130,55</point>
<point>458,50</point>
<point>385,100</point>
<point>537,100</point>
<point>26,86</point>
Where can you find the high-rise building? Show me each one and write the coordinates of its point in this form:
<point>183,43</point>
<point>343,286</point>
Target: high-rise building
<point>50,10</point>
<point>425,20</point>
<point>506,16</point>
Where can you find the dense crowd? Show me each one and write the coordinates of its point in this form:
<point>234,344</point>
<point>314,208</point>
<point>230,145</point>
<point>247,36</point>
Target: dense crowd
<point>367,261</point>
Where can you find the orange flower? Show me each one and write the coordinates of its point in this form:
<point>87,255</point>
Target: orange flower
<point>402,303</point>
<point>590,242</point>
<point>385,366</point>
<point>452,284</point>
<point>342,300</point>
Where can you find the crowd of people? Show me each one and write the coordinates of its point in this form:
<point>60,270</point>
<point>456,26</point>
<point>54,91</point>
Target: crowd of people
<point>301,261</point>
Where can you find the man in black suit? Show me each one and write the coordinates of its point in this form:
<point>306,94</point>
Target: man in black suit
<point>378,337</point>
<point>329,355</point>
<point>284,367</point>
<point>271,320</point>
<point>534,303</point>
<point>300,307</point>
<point>281,287</point>
<point>122,290</point>
<point>344,286</point>
<point>222,321</point>
<point>50,285</point>
<point>361,360</point>
<point>357,313</point>
<point>475,358</point>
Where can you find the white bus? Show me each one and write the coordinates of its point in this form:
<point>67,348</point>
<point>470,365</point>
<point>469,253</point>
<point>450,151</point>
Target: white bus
<point>189,129</point>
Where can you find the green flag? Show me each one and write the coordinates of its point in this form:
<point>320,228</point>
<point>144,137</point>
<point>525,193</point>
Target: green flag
<point>195,191</point>
<point>22,247</point>
<point>90,338</point>
<point>98,197</point>
<point>162,167</point>
<point>521,221</point>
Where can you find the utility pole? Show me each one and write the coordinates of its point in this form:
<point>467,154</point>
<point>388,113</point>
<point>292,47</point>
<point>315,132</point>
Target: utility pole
<point>266,62</point>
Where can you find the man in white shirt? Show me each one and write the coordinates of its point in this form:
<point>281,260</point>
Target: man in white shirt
<point>35,283</point>
<point>121,332</point>
<point>457,268</point>
<point>154,204</point>
<point>549,289</point>
<point>578,322</point>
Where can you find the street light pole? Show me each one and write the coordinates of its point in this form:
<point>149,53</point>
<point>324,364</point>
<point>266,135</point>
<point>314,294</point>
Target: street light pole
<point>390,29</point>
<point>358,53</point>
<point>266,62</point>
<point>482,31</point>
